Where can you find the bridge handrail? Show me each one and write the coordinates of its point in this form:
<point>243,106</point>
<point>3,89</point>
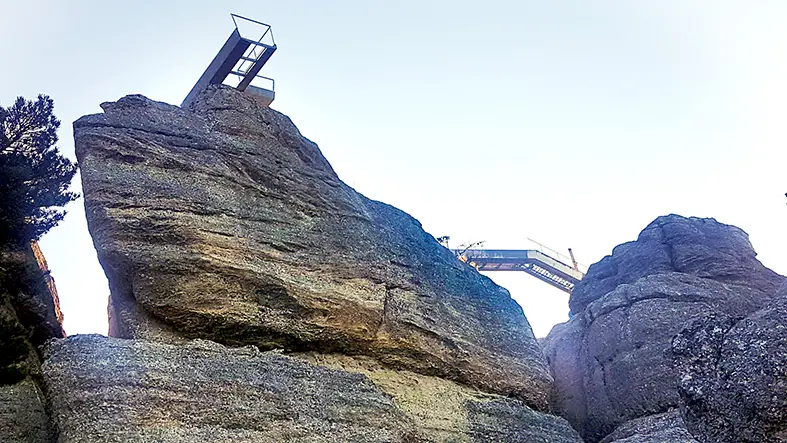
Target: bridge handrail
<point>562,257</point>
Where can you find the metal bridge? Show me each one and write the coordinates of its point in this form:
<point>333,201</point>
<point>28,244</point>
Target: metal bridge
<point>534,262</point>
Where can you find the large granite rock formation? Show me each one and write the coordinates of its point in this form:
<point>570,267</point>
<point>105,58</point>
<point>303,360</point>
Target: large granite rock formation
<point>698,246</point>
<point>29,315</point>
<point>612,362</point>
<point>222,222</point>
<point>113,390</point>
<point>733,376</point>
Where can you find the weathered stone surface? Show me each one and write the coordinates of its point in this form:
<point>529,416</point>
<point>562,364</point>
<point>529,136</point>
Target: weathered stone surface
<point>672,243</point>
<point>29,308</point>
<point>29,314</point>
<point>23,416</point>
<point>733,376</point>
<point>507,420</point>
<point>612,362</point>
<point>113,390</point>
<point>445,411</point>
<point>225,223</point>
<point>660,428</point>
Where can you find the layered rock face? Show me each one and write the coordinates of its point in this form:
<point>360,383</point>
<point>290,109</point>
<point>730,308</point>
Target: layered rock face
<point>203,392</point>
<point>29,315</point>
<point>114,390</point>
<point>613,361</point>
<point>222,222</point>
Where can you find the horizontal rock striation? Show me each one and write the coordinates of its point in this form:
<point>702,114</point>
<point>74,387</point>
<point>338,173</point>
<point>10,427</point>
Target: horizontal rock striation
<point>113,390</point>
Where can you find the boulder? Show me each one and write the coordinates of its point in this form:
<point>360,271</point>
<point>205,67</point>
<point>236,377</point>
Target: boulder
<point>114,390</point>
<point>733,376</point>
<point>223,222</point>
<point>23,415</point>
<point>612,361</point>
<point>672,243</point>
<point>660,428</point>
<point>445,411</point>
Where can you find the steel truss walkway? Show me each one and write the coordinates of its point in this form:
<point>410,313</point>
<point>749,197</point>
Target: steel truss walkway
<point>536,263</point>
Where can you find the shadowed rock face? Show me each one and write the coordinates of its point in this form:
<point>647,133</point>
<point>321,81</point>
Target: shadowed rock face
<point>223,222</point>
<point>733,376</point>
<point>612,362</point>
<point>698,246</point>
<point>29,315</point>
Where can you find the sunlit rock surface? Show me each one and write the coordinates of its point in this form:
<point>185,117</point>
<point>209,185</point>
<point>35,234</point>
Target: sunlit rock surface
<point>222,223</point>
<point>105,389</point>
<point>114,390</point>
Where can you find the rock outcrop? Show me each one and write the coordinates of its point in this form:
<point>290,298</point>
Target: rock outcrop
<point>29,315</point>
<point>114,390</point>
<point>613,361</point>
<point>256,297</point>
<point>105,389</point>
<point>733,376</point>
<point>698,246</point>
<point>660,428</point>
<point>223,223</point>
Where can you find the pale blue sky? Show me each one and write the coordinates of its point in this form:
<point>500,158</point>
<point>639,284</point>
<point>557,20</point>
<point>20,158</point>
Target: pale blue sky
<point>572,122</point>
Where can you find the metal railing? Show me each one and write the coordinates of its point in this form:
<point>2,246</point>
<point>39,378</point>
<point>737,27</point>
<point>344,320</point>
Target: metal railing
<point>268,30</point>
<point>568,261</point>
<point>257,48</point>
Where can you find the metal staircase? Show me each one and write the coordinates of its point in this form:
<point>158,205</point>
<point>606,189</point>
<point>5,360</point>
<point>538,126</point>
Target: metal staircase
<point>241,59</point>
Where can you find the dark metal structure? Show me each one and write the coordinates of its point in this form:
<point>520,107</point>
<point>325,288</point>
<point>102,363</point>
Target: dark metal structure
<point>533,262</point>
<point>241,59</point>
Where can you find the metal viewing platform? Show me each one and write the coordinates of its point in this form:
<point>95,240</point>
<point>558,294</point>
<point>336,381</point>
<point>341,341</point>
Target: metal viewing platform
<point>240,60</point>
<point>534,262</point>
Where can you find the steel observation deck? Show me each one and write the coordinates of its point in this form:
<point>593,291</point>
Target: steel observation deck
<point>240,60</point>
<point>533,262</point>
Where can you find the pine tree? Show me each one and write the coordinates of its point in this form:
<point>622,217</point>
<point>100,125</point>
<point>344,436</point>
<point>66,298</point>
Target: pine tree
<point>34,177</point>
